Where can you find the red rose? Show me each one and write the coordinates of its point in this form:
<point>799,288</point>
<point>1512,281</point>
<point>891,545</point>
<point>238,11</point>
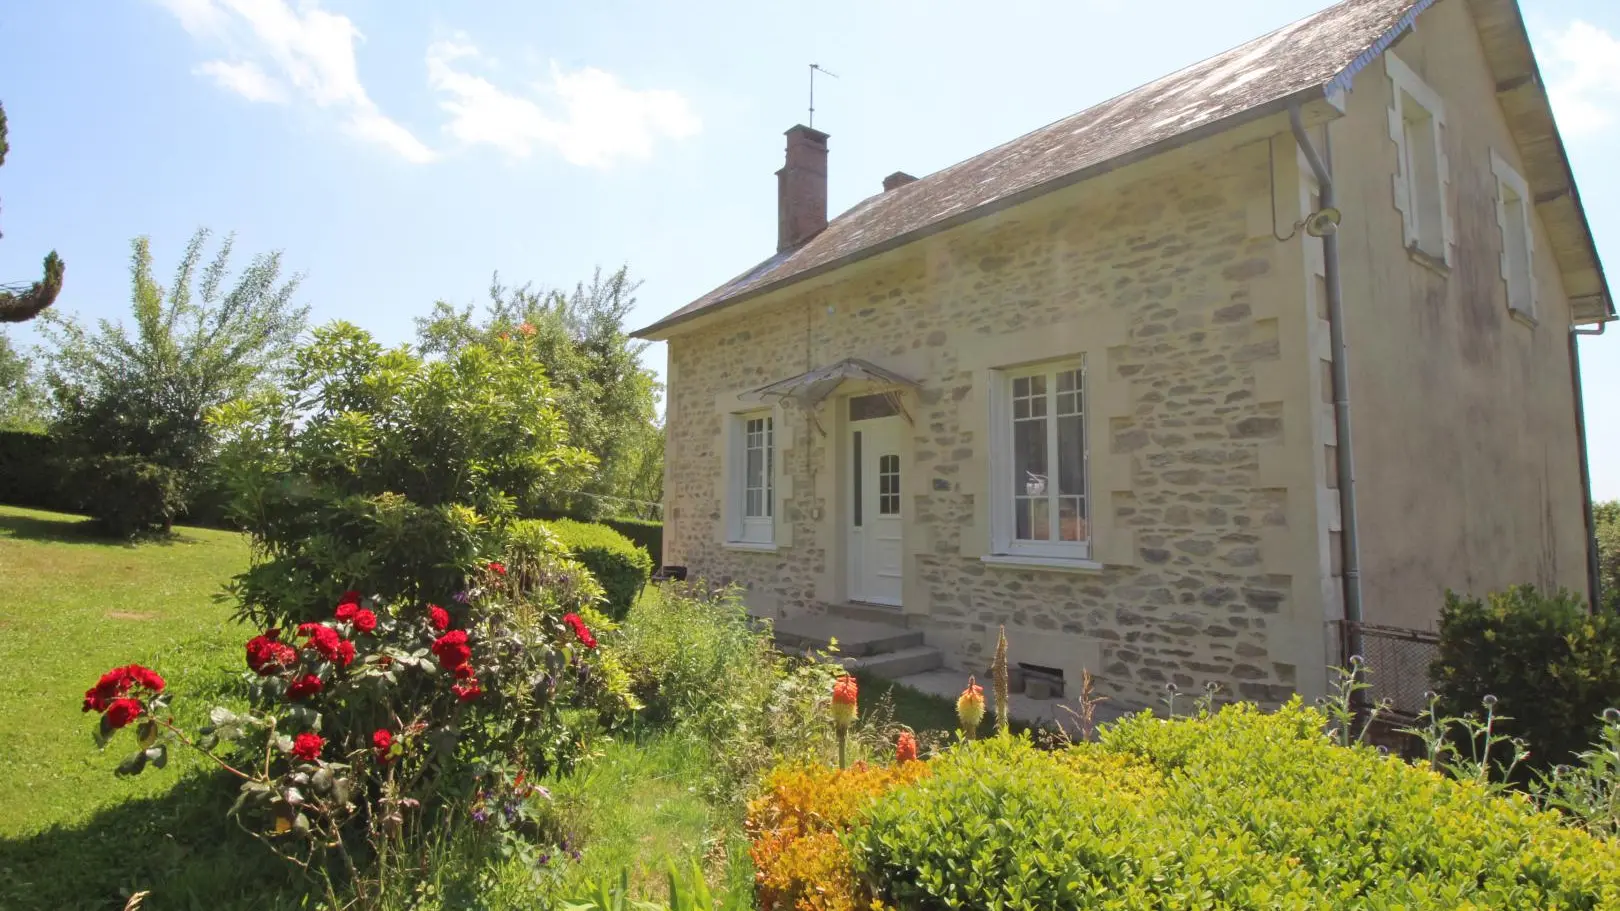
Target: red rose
<point>308,745</point>
<point>451,649</point>
<point>307,685</point>
<point>438,616</point>
<point>263,653</point>
<point>118,681</point>
<point>145,677</point>
<point>497,568</point>
<point>346,611</point>
<point>349,597</point>
<point>365,621</point>
<point>345,653</point>
<point>323,639</point>
<point>467,692</point>
<point>122,712</point>
<point>382,740</point>
<point>465,672</point>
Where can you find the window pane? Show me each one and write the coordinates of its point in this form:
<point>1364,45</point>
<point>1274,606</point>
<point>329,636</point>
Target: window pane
<point>770,466</point>
<point>1072,519</point>
<point>1029,478</point>
<point>1071,455</point>
<point>869,407</point>
<point>1040,524</point>
<point>754,473</point>
<point>857,476</point>
<point>889,485</point>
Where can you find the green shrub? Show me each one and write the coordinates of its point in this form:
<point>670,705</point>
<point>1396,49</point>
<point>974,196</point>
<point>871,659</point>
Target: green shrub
<point>29,471</point>
<point>647,535</point>
<point>1237,810</point>
<point>128,495</point>
<point>1552,666</point>
<point>621,566</point>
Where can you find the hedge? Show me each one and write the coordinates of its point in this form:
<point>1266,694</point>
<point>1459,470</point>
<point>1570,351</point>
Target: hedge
<point>1238,810</point>
<point>618,564</point>
<point>649,535</point>
<point>29,474</point>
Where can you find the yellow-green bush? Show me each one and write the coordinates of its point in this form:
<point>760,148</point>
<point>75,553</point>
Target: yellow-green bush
<point>1237,810</point>
<point>615,561</point>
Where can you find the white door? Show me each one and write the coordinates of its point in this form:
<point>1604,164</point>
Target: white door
<point>876,552</point>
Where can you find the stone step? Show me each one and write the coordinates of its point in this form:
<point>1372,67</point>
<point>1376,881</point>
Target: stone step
<point>856,638</point>
<point>872,613</point>
<point>917,659</point>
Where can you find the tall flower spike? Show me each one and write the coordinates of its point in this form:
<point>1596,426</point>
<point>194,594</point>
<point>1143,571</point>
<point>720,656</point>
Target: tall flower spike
<point>905,748</point>
<point>998,673</point>
<point>845,696</point>
<point>970,709</point>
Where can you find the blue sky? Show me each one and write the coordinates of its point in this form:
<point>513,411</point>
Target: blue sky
<point>400,151</point>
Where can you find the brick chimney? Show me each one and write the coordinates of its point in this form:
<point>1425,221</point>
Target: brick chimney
<point>897,179</point>
<point>801,188</point>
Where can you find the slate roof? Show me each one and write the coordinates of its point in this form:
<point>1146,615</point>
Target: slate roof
<point>1297,62</point>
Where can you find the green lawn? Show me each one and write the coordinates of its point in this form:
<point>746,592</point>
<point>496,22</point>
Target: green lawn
<point>72,835</point>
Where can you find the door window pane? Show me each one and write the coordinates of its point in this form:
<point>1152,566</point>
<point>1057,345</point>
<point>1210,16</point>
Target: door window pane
<point>889,485</point>
<point>859,469</point>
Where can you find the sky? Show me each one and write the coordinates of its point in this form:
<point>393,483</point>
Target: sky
<point>401,152</point>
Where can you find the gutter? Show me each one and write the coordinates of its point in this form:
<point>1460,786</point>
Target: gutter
<point>1594,580</point>
<point>1350,551</point>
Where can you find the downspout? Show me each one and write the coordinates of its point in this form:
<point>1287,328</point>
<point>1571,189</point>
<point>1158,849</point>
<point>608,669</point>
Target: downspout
<point>1594,581</point>
<point>1350,551</point>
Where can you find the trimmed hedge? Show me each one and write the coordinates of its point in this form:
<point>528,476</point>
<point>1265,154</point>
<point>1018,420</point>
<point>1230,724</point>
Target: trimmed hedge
<point>1552,666</point>
<point>1237,810</point>
<point>30,473</point>
<point>618,564</point>
<point>649,535</point>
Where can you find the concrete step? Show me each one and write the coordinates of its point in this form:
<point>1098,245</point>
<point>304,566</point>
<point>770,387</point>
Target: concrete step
<point>856,638</point>
<point>917,659</point>
<point>872,613</point>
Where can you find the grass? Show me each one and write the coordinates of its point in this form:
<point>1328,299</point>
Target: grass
<point>73,835</point>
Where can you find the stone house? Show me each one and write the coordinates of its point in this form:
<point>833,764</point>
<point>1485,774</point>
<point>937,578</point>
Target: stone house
<point>1092,384</point>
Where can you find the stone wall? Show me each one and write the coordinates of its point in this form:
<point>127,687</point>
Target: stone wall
<point>1205,477</point>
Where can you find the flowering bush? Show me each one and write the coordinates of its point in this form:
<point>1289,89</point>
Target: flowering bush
<point>371,722</point>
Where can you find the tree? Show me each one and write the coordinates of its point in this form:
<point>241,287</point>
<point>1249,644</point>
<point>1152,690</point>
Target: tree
<point>22,405</point>
<point>607,397</point>
<point>24,302</point>
<point>1606,518</point>
<point>132,407</point>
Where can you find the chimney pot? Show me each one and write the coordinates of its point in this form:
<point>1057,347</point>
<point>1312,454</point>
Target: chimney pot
<point>801,188</point>
<point>897,179</point>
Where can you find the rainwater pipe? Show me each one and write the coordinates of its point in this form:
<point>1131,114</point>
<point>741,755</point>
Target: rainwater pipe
<point>1594,582</point>
<point>1350,552</point>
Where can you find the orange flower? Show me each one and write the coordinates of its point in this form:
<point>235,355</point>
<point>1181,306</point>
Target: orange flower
<point>845,694</point>
<point>905,748</point>
<point>970,708</point>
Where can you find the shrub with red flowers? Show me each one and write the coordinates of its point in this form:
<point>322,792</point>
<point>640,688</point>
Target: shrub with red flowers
<point>371,720</point>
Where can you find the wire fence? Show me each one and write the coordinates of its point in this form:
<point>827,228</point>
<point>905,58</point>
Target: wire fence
<point>1398,662</point>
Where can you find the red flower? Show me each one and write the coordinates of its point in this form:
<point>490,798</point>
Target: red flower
<point>382,741</point>
<point>308,745</point>
<point>365,621</point>
<point>323,639</point>
<point>581,631</point>
<point>451,649</point>
<point>349,597</point>
<point>346,611</point>
<point>122,712</point>
<point>345,653</point>
<point>497,568</point>
<point>467,692</point>
<point>438,616</point>
<point>465,672</point>
<point>145,677</point>
<point>905,748</point>
<point>118,681</point>
<point>307,685</point>
<point>266,656</point>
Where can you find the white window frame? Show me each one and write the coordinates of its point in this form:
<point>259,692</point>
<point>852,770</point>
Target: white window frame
<point>741,527</point>
<point>1432,240</point>
<point>1518,260</point>
<point>1003,540</point>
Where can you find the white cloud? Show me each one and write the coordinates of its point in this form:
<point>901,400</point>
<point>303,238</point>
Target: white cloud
<point>245,79</point>
<point>587,115</point>
<point>310,49</point>
<point>1583,66</point>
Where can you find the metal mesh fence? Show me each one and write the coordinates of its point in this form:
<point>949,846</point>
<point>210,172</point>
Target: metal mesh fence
<point>1398,665</point>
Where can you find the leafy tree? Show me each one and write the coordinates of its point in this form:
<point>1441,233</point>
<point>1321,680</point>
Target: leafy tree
<point>22,405</point>
<point>1606,517</point>
<point>607,397</point>
<point>132,406</point>
<point>24,302</point>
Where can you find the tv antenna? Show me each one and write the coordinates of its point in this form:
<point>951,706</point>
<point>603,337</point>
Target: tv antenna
<point>814,69</point>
